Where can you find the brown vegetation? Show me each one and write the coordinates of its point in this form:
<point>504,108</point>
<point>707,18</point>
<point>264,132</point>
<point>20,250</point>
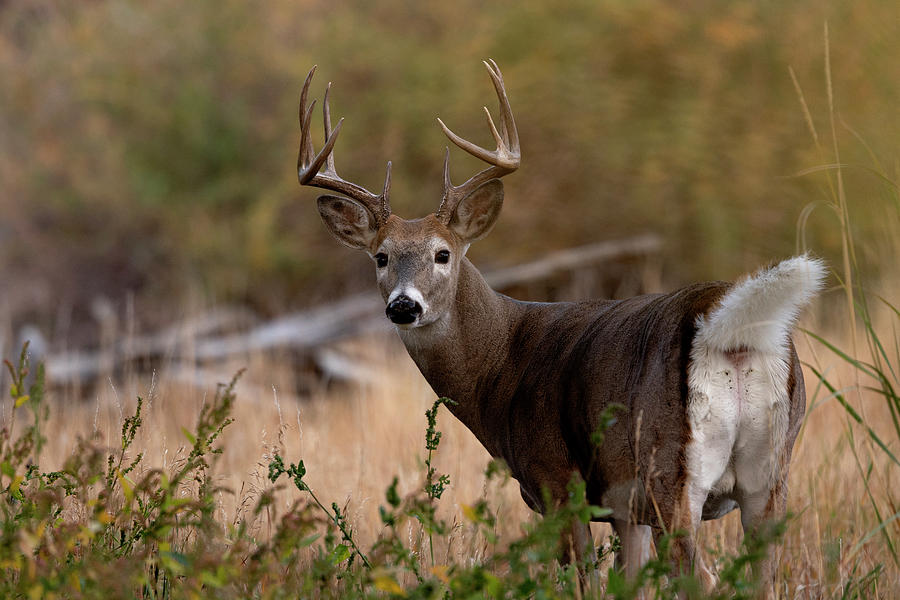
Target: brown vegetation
<point>354,440</point>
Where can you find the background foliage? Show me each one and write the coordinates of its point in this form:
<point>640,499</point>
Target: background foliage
<point>148,149</point>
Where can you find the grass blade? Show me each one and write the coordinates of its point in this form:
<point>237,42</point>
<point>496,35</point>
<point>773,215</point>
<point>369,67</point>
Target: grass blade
<point>858,364</point>
<point>855,415</point>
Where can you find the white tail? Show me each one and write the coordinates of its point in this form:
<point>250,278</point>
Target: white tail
<point>759,312</point>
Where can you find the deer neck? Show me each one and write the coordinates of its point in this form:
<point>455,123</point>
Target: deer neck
<point>462,354</point>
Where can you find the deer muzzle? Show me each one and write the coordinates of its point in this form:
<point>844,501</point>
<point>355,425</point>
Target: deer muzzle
<point>403,310</point>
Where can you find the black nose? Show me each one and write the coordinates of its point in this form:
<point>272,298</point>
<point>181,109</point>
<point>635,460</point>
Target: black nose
<point>403,310</point>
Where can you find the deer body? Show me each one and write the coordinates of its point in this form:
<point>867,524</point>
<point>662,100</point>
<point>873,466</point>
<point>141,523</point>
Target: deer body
<point>707,379</point>
<point>532,382</point>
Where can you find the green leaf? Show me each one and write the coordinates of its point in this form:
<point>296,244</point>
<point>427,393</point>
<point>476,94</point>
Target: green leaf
<point>339,554</point>
<point>176,561</point>
<point>391,495</point>
<point>190,437</point>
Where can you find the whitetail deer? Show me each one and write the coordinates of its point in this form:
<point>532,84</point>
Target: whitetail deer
<point>708,375</point>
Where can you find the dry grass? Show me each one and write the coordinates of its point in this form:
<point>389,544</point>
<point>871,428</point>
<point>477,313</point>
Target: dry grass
<point>354,440</point>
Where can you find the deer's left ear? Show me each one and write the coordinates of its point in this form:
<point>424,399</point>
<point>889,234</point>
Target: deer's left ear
<point>476,214</point>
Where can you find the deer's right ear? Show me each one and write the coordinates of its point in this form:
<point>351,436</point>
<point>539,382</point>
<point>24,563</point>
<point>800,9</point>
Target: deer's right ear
<point>348,220</point>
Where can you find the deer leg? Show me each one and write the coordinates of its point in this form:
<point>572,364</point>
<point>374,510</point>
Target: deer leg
<point>683,552</point>
<point>758,511</point>
<point>577,546</point>
<point>688,561</point>
<point>635,552</point>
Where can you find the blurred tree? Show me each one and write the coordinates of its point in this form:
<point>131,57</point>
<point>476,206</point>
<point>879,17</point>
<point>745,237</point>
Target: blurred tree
<point>148,148</point>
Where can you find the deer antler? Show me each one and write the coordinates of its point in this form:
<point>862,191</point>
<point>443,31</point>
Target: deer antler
<point>309,164</point>
<point>504,160</point>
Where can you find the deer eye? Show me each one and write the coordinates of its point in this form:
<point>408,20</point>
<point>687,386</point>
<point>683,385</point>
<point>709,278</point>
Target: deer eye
<point>381,260</point>
<point>442,257</point>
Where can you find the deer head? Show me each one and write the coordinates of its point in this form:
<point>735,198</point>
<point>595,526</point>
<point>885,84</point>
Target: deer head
<point>416,261</point>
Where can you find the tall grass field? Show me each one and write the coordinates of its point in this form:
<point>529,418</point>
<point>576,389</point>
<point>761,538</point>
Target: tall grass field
<point>157,490</point>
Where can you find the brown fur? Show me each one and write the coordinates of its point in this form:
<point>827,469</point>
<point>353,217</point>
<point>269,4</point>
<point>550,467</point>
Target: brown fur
<point>531,381</point>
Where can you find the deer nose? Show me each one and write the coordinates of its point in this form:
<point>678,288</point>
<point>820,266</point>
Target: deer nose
<point>403,310</point>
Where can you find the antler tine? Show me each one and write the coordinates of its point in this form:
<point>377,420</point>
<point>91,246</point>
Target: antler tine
<point>305,152</point>
<point>500,140</point>
<point>504,160</point>
<point>326,115</point>
<point>385,194</point>
<point>507,122</point>
<point>310,164</point>
<point>447,183</point>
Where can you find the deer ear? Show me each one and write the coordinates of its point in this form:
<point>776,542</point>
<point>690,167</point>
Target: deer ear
<point>348,220</point>
<point>476,214</point>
